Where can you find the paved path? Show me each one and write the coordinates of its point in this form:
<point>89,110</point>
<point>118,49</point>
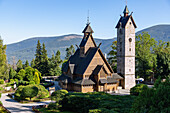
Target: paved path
<point>16,107</point>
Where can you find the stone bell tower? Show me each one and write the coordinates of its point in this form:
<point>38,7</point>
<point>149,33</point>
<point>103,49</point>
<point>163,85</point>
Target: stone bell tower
<point>126,49</point>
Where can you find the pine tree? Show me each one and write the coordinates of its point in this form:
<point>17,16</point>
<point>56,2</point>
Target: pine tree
<point>69,51</point>
<point>12,73</point>
<point>26,64</point>
<point>3,62</point>
<point>54,64</point>
<point>44,61</point>
<point>38,56</point>
<point>33,63</point>
<point>19,65</point>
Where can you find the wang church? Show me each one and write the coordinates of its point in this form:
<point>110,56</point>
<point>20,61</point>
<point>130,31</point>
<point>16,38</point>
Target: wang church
<point>88,70</point>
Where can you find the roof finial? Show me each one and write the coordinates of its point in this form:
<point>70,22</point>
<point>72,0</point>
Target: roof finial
<point>126,2</point>
<point>88,18</point>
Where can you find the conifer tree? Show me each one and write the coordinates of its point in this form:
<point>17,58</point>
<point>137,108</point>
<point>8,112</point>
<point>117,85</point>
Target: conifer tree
<point>3,62</point>
<point>69,51</point>
<point>12,73</point>
<point>44,61</point>
<point>33,63</point>
<point>26,64</point>
<point>19,65</point>
<point>54,64</point>
<point>36,78</point>
<point>38,56</point>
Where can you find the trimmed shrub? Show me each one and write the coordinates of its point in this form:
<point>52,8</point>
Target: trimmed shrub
<point>18,92</point>
<point>31,83</point>
<point>52,106</point>
<point>1,89</point>
<point>1,81</point>
<point>29,92</point>
<point>42,92</point>
<point>58,95</point>
<point>36,78</point>
<point>95,111</point>
<point>12,81</point>
<point>137,89</point>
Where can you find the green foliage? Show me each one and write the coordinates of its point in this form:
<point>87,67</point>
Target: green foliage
<point>19,65</point>
<point>153,100</point>
<point>1,89</point>
<point>38,91</point>
<point>1,81</point>
<point>12,81</point>
<point>163,60</point>
<point>58,95</point>
<point>52,106</point>
<point>36,78</point>
<point>54,64</point>
<point>38,56</point>
<point>18,92</point>
<point>26,64</point>
<point>21,74</point>
<point>112,56</point>
<point>145,58</point>
<point>95,111</point>
<point>136,90</point>
<point>69,51</point>
<point>3,61</point>
<point>31,83</point>
<point>42,92</point>
<point>106,103</point>
<point>29,92</point>
<point>33,63</point>
<point>12,73</point>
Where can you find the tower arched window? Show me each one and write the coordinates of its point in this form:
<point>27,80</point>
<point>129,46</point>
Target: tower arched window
<point>130,42</point>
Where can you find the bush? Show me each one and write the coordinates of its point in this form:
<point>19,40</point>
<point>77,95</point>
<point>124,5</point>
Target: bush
<point>31,82</point>
<point>58,95</point>
<point>29,91</point>
<point>12,81</point>
<point>42,92</point>
<point>1,81</point>
<point>95,111</point>
<point>18,92</point>
<point>137,89</point>
<point>153,100</point>
<point>52,106</point>
<point>1,89</point>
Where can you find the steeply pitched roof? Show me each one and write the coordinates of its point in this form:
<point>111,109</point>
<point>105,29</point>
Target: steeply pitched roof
<point>97,69</point>
<point>88,29</point>
<point>85,39</point>
<point>81,62</point>
<point>126,10</point>
<point>116,76</point>
<point>123,21</point>
<point>65,79</point>
<point>81,81</point>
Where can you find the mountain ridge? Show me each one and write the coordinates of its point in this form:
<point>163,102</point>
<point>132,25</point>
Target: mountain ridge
<point>25,50</point>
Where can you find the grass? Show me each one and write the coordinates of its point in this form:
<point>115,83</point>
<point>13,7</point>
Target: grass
<point>2,110</point>
<point>45,110</point>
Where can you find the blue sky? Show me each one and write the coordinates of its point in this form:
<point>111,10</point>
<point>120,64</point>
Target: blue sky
<point>22,19</point>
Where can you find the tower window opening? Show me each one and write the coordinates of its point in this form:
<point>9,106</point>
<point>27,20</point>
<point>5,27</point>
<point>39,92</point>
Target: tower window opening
<point>129,70</point>
<point>130,39</point>
<point>130,23</point>
<point>129,49</point>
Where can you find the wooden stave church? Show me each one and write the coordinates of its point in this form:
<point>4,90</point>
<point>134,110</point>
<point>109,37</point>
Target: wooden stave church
<point>88,70</point>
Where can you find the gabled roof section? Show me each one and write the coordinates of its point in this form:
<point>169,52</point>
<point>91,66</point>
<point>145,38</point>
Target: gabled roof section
<point>80,81</point>
<point>123,21</point>
<point>85,39</point>
<point>81,64</point>
<point>88,29</point>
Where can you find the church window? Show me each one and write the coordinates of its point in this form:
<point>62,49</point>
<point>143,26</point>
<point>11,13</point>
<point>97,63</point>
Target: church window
<point>130,39</point>
<point>120,31</point>
<point>129,49</point>
<point>129,70</point>
<point>130,23</point>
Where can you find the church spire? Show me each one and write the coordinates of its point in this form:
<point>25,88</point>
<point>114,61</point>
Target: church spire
<point>126,11</point>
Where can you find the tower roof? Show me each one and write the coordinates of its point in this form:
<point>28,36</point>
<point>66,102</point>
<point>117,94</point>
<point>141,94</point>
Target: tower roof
<point>126,10</point>
<point>88,29</point>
